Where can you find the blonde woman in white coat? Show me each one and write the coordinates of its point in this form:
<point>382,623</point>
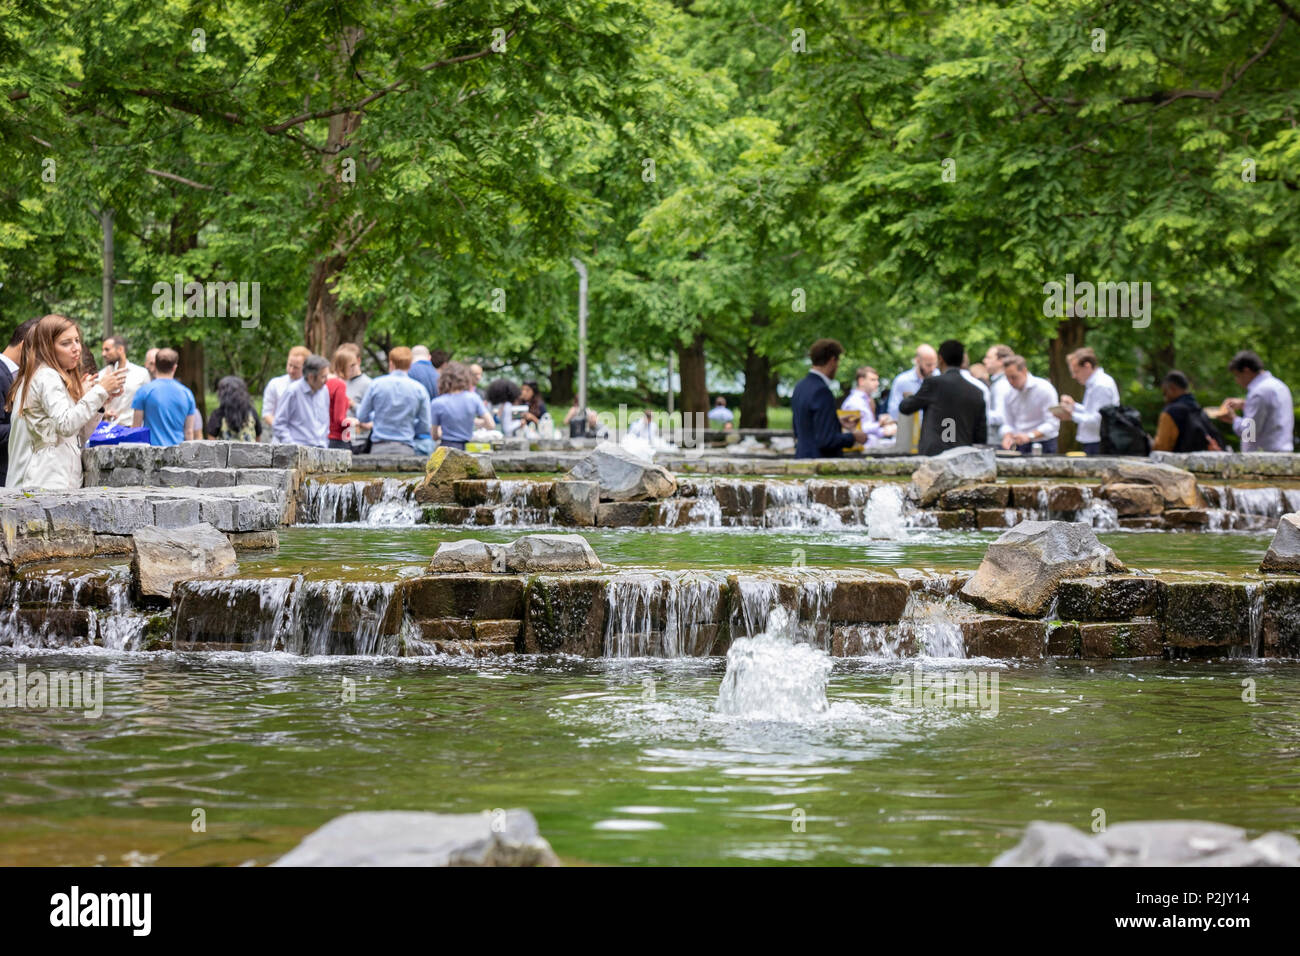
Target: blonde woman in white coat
<point>52,408</point>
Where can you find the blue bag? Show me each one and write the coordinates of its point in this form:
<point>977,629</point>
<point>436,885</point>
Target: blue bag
<point>109,434</point>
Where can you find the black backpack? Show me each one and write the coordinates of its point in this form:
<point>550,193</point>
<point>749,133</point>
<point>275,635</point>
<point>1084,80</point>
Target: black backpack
<point>1122,432</point>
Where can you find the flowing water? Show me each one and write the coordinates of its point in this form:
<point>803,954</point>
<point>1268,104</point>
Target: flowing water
<point>633,762</point>
<point>361,552</point>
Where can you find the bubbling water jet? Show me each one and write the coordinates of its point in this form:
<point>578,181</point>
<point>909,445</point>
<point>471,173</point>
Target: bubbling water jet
<point>769,677</point>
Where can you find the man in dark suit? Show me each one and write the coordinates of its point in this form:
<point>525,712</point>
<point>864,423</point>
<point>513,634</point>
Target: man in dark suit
<point>954,408</point>
<point>817,429</point>
<point>10,359</point>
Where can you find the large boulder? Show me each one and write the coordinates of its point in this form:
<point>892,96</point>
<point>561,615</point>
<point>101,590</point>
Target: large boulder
<point>551,552</point>
<point>1130,498</point>
<point>1022,567</point>
<point>1156,843</point>
<point>953,469</point>
<point>1284,552</point>
<point>460,557</point>
<point>164,556</point>
<point>448,465</point>
<point>401,838</point>
<point>622,476</point>
<point>1177,486</point>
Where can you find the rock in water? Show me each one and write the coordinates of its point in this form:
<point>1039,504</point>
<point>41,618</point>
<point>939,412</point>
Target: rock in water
<point>1153,843</point>
<point>459,557</point>
<point>576,502</point>
<point>952,469</point>
<point>1021,568</point>
<point>164,556</point>
<point>399,838</point>
<point>1284,551</point>
<point>1131,498</point>
<point>1177,486</point>
<point>551,552</point>
<point>445,466</point>
<point>623,476</point>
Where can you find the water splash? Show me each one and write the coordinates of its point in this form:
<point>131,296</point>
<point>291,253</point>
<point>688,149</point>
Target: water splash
<point>769,677</point>
<point>885,516</point>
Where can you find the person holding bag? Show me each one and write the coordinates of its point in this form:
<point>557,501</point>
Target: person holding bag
<point>53,409</point>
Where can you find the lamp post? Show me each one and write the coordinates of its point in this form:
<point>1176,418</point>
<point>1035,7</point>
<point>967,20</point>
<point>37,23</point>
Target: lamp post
<point>582,342</point>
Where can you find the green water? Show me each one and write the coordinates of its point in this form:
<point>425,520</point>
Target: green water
<point>355,551</point>
<point>266,748</point>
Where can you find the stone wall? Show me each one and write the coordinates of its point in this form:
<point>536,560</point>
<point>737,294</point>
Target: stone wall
<point>667,613</point>
<point>45,526</point>
<point>212,464</point>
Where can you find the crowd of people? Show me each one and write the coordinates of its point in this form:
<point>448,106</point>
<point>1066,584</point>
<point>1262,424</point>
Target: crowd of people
<point>1000,402</point>
<point>55,398</point>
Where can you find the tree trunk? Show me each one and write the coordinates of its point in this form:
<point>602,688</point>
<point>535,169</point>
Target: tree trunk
<point>758,386</point>
<point>1070,333</point>
<point>193,374</point>
<point>695,389</point>
<point>691,367</point>
<point>562,392</point>
<point>326,325</point>
<point>773,399</point>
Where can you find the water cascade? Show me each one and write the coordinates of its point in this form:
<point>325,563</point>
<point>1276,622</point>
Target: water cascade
<point>377,501</point>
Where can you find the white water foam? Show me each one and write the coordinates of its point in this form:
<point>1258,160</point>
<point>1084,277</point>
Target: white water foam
<point>769,677</point>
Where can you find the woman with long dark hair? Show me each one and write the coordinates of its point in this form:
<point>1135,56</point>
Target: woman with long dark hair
<point>53,408</point>
<point>234,418</point>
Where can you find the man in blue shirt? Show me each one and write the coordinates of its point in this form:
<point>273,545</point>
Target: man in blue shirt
<point>396,408</point>
<point>817,429</point>
<point>165,406</point>
<point>422,370</point>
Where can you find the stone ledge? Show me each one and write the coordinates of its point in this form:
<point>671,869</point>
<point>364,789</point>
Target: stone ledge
<point>41,526</point>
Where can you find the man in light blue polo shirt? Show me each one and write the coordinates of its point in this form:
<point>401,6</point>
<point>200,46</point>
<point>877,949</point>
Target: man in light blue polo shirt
<point>165,406</point>
<point>396,408</point>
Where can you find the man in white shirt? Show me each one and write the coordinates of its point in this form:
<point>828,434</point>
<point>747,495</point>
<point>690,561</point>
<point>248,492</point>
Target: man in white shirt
<point>924,365</point>
<point>1267,422</point>
<point>994,359</point>
<point>1099,390</point>
<point>303,410</point>
<point>1026,419</point>
<point>117,411</point>
<point>276,386</point>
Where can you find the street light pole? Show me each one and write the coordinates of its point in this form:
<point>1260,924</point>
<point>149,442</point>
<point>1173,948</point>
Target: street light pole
<point>582,340</point>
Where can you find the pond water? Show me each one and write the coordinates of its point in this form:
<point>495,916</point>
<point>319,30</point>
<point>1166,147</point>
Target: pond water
<point>267,748</point>
<point>358,551</point>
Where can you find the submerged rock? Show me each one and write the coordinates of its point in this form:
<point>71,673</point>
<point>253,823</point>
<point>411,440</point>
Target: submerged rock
<point>551,552</point>
<point>399,838</point>
<point>1151,843</point>
<point>622,476</point>
<point>165,556</point>
<point>448,465</point>
<point>1284,551</point>
<point>1022,567</point>
<point>952,469</point>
